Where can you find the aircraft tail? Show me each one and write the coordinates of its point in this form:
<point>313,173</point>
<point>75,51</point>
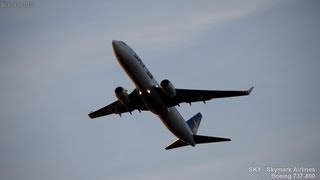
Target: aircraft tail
<point>198,140</point>
<point>194,123</point>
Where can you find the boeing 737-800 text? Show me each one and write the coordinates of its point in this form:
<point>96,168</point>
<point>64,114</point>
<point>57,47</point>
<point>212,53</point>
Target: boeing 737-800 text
<point>160,99</point>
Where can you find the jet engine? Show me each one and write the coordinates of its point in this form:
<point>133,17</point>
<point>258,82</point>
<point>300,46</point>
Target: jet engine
<point>122,95</point>
<point>167,88</point>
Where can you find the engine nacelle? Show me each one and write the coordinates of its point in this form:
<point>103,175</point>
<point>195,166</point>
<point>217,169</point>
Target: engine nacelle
<point>122,95</point>
<point>168,88</point>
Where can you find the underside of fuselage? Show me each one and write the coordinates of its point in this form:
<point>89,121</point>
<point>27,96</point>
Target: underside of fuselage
<point>177,125</point>
<point>145,83</point>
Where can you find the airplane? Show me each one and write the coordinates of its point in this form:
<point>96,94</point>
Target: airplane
<point>160,99</point>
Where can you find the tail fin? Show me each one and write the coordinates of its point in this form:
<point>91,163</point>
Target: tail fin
<point>198,140</point>
<point>194,123</point>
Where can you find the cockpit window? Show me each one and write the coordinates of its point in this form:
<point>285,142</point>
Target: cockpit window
<point>123,43</point>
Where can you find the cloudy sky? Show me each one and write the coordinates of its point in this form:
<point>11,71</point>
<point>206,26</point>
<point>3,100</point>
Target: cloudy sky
<point>57,64</point>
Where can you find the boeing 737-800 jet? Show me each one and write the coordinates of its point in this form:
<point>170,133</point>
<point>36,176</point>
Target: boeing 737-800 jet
<point>160,99</point>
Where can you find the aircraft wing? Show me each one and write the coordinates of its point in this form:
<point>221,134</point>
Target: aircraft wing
<point>189,95</point>
<point>135,103</point>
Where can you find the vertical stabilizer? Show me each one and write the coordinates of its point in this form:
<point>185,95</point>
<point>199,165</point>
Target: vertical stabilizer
<point>194,123</point>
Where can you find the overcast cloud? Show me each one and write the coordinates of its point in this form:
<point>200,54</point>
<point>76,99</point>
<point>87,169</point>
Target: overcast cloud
<point>57,65</point>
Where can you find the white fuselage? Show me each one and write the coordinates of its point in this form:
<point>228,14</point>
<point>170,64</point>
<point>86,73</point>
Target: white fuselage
<point>145,83</point>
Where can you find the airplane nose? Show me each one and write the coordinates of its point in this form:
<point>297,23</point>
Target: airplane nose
<point>114,44</point>
<point>116,47</point>
<point>118,50</point>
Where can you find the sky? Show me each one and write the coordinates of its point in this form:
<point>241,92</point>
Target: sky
<point>57,64</point>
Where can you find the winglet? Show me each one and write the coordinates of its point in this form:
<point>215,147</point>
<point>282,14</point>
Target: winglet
<point>249,91</point>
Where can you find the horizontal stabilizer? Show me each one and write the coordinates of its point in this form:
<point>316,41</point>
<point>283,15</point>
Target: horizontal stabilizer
<point>198,140</point>
<point>176,144</point>
<point>207,139</point>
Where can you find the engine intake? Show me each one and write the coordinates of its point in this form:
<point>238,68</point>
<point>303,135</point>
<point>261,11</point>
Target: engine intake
<point>122,95</point>
<point>168,88</point>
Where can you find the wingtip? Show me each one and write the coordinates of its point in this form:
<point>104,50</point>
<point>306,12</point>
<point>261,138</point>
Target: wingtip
<point>90,115</point>
<point>249,91</point>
